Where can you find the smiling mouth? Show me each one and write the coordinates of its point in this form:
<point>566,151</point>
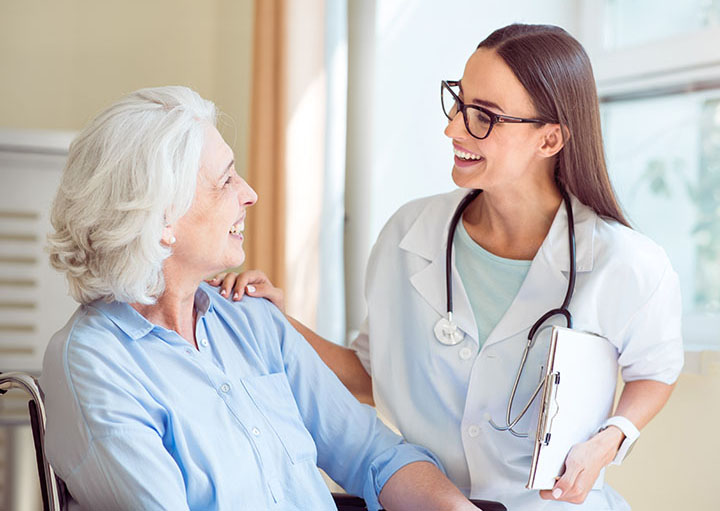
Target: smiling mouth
<point>238,228</point>
<point>464,155</point>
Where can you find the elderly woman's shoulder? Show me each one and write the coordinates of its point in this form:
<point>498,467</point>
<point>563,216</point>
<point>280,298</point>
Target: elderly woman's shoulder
<point>84,349</point>
<point>253,308</point>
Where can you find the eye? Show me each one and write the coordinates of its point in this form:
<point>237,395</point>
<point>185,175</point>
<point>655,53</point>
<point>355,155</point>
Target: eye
<point>228,180</point>
<point>480,116</point>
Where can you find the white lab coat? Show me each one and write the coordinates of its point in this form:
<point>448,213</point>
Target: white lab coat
<point>441,396</point>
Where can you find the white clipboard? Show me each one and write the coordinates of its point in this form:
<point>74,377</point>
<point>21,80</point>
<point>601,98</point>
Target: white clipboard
<point>580,380</point>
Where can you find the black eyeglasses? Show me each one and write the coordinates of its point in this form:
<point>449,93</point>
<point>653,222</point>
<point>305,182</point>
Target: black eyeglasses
<point>479,121</point>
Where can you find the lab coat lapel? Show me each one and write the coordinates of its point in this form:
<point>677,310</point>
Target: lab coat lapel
<point>423,239</point>
<point>546,283</point>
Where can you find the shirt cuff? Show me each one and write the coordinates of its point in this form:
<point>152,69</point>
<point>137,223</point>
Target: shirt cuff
<point>389,462</point>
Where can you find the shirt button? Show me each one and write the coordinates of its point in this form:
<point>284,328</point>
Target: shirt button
<point>465,353</point>
<point>204,342</point>
<point>256,431</point>
<point>225,387</point>
<point>474,430</point>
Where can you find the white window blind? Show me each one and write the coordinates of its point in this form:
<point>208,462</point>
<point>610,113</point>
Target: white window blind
<point>33,297</point>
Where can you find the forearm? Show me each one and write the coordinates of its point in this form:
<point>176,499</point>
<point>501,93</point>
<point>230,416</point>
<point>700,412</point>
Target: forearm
<point>342,361</point>
<point>639,402</point>
<point>421,486</point>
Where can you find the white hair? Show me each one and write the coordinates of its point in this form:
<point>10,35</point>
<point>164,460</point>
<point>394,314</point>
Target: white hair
<point>129,173</point>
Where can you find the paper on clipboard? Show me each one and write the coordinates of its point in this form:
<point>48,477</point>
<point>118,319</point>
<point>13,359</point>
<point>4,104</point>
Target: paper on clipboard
<point>580,379</point>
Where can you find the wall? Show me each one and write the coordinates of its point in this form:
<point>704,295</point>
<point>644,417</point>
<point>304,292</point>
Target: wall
<point>674,464</point>
<point>62,61</point>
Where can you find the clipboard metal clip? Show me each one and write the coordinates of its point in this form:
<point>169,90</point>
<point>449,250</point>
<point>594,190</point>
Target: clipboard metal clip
<point>550,408</point>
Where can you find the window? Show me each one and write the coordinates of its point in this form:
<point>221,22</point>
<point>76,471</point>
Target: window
<point>627,22</point>
<point>658,75</point>
<point>664,160</point>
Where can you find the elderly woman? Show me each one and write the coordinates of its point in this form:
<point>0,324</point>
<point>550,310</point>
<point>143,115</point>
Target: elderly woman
<point>161,394</point>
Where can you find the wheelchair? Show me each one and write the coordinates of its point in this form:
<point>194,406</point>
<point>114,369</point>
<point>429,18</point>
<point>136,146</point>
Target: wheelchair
<point>55,496</point>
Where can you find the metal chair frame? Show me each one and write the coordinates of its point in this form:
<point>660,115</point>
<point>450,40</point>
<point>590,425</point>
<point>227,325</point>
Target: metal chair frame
<point>49,484</point>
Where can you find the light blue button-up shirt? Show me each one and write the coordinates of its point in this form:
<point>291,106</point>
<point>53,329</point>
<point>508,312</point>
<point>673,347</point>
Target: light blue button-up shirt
<point>138,419</point>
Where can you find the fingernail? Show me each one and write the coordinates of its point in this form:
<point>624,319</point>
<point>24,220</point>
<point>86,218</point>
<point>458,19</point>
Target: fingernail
<point>223,292</point>
<point>250,288</point>
<point>557,493</point>
<point>236,296</point>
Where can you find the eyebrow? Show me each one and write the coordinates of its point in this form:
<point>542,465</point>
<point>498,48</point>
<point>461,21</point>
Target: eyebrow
<point>482,102</point>
<point>227,169</point>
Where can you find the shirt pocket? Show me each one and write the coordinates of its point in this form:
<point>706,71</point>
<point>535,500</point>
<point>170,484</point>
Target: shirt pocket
<point>273,397</point>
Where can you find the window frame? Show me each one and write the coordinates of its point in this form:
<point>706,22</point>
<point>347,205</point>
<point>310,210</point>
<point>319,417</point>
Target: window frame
<point>679,64</point>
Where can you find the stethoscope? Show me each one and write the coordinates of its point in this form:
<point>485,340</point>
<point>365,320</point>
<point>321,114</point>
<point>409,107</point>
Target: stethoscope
<point>447,332</point>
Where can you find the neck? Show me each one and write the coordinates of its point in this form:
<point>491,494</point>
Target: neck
<point>513,224</point>
<point>174,309</point>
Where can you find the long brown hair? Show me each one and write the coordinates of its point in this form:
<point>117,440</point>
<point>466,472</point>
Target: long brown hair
<point>555,70</point>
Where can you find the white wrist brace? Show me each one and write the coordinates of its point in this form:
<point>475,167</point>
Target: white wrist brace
<point>629,430</point>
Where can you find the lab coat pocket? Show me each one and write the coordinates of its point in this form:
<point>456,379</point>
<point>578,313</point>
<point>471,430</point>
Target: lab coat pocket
<point>274,399</point>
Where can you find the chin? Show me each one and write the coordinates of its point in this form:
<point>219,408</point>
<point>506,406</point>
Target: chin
<point>239,261</point>
<point>465,179</point>
<point>235,261</point>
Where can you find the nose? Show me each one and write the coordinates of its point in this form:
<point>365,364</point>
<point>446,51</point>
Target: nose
<point>456,128</point>
<point>246,195</point>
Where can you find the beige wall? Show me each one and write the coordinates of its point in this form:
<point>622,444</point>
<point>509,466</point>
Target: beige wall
<point>676,461</point>
<point>64,60</point>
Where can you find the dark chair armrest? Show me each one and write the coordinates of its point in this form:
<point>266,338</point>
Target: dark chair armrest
<point>346,502</point>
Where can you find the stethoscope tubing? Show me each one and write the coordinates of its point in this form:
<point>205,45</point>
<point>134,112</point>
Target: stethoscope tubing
<point>562,310</point>
<point>464,203</point>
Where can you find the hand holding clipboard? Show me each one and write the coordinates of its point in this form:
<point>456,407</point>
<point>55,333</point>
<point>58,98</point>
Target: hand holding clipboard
<point>580,380</point>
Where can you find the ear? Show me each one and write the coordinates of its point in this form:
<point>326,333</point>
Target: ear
<point>167,235</point>
<point>553,139</point>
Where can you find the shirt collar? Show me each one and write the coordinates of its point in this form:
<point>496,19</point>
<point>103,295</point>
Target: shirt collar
<point>134,324</point>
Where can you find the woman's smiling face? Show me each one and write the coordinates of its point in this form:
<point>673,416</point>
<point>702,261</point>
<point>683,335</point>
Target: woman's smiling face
<point>210,235</point>
<point>505,156</point>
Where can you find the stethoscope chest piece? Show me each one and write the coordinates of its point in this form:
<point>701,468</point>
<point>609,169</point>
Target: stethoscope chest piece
<point>447,332</point>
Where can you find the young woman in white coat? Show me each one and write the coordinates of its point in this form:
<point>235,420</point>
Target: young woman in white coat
<point>524,124</point>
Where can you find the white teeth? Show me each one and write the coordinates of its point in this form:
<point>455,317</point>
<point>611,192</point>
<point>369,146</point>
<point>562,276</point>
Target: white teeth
<point>238,228</point>
<point>466,156</point>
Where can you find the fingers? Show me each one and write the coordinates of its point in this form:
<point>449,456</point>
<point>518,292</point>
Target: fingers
<point>253,282</point>
<point>571,487</point>
<point>233,284</point>
<point>228,283</point>
<point>255,277</point>
<point>217,279</point>
<point>246,279</point>
<point>268,291</point>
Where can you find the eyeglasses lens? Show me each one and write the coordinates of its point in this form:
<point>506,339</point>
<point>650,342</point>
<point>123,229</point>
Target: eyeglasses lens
<point>477,121</point>
<point>449,104</point>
